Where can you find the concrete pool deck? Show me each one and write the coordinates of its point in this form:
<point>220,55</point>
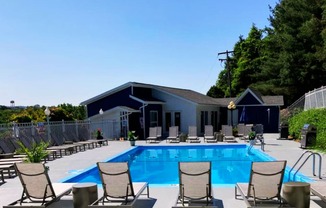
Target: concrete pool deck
<point>160,197</point>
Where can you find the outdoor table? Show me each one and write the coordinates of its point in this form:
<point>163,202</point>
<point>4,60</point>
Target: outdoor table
<point>84,194</point>
<point>297,194</point>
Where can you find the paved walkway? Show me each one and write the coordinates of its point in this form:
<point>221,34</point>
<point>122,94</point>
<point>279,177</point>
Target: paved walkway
<point>160,197</point>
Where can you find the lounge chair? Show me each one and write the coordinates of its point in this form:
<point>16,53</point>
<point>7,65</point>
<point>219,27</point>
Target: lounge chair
<point>247,130</point>
<point>152,135</point>
<point>241,130</point>
<point>2,177</point>
<point>195,187</point>
<point>228,134</point>
<point>159,132</point>
<point>173,134</point>
<point>209,134</point>
<point>192,134</point>
<point>264,185</point>
<point>318,188</point>
<point>118,188</point>
<point>38,191</point>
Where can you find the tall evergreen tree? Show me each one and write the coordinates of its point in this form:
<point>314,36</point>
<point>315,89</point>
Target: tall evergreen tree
<point>288,58</point>
<point>297,46</point>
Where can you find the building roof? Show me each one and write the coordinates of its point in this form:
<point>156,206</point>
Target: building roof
<point>274,100</point>
<point>190,95</point>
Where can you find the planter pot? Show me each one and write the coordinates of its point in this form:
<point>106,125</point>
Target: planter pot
<point>252,142</point>
<point>132,143</point>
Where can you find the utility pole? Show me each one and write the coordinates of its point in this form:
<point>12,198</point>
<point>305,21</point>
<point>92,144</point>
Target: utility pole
<point>227,67</point>
<point>231,106</point>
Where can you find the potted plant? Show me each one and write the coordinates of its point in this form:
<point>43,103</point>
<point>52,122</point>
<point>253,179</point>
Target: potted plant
<point>36,153</point>
<point>252,136</point>
<point>132,138</point>
<point>99,135</point>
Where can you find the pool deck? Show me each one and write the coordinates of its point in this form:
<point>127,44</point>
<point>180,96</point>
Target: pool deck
<point>160,197</point>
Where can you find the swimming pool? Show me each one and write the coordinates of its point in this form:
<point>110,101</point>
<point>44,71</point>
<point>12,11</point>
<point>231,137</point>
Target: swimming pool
<point>159,164</point>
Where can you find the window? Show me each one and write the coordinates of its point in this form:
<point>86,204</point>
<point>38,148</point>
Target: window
<point>203,120</point>
<point>177,119</point>
<point>214,120</point>
<point>153,118</point>
<point>167,121</point>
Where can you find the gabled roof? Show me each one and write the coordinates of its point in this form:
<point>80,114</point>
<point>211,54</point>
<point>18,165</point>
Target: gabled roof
<point>253,92</point>
<point>275,100</point>
<point>189,95</point>
<point>119,109</point>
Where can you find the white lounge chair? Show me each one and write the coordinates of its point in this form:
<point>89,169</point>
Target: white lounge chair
<point>195,185</point>
<point>209,134</point>
<point>318,188</point>
<point>264,185</point>
<point>173,134</point>
<point>159,132</point>
<point>118,188</point>
<point>228,134</point>
<point>192,134</point>
<point>38,191</point>
<point>152,135</point>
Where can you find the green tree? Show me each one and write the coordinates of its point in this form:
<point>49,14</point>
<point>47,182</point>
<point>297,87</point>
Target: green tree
<point>296,46</point>
<point>288,58</point>
<point>65,112</point>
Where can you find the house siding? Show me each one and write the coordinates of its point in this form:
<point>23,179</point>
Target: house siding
<point>186,108</point>
<point>259,115</point>
<point>120,98</point>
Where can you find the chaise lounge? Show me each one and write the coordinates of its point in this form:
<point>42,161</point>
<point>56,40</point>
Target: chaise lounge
<point>38,191</point>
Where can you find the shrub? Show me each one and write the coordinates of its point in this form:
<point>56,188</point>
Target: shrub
<point>315,117</point>
<point>36,153</point>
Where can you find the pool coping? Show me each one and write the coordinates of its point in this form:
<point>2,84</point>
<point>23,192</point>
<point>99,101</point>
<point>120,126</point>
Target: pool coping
<point>299,176</point>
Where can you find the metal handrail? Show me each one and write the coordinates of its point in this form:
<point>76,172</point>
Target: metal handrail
<point>313,165</point>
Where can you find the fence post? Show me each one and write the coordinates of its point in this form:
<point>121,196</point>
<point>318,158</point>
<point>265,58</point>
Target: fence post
<point>63,126</point>
<point>32,129</point>
<point>76,128</point>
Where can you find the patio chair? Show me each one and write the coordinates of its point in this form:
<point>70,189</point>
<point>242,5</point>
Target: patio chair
<point>38,191</point>
<point>195,187</point>
<point>209,134</point>
<point>247,130</point>
<point>2,177</point>
<point>241,130</point>
<point>228,134</point>
<point>192,134</point>
<point>118,188</point>
<point>318,188</point>
<point>159,132</point>
<point>264,185</point>
<point>173,134</point>
<point>152,135</point>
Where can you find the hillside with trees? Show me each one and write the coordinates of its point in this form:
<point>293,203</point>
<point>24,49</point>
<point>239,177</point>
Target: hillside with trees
<point>287,58</point>
<point>36,113</point>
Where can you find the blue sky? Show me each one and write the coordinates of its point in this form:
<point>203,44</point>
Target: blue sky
<point>67,51</point>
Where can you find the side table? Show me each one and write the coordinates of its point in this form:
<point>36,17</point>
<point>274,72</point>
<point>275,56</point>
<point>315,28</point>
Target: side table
<point>297,194</point>
<point>84,194</point>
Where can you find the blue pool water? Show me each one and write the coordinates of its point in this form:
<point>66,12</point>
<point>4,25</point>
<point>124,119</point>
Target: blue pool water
<point>159,164</point>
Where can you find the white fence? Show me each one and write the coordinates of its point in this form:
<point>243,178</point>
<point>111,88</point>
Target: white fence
<point>315,99</point>
<point>84,129</point>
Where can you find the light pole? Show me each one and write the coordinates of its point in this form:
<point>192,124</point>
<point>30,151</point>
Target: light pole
<point>47,113</point>
<point>231,107</point>
<point>101,113</point>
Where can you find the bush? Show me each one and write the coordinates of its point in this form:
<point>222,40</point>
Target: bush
<point>36,153</point>
<point>315,117</point>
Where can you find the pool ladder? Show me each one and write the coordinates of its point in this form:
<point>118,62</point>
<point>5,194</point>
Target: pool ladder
<point>313,155</point>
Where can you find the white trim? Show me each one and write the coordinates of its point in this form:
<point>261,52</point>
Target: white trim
<point>248,90</point>
<point>143,101</point>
